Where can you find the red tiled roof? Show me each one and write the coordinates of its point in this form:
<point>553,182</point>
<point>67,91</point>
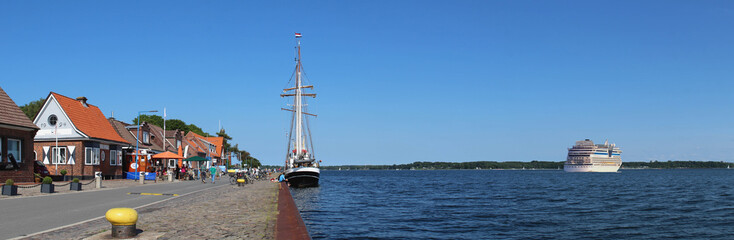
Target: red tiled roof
<point>11,114</point>
<point>88,119</point>
<point>218,142</point>
<point>120,128</point>
<point>202,143</point>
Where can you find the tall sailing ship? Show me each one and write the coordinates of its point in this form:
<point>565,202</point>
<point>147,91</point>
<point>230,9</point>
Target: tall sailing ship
<point>301,167</point>
<point>586,156</point>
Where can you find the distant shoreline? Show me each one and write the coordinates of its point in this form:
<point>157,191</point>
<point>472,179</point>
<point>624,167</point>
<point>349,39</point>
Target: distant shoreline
<point>532,165</point>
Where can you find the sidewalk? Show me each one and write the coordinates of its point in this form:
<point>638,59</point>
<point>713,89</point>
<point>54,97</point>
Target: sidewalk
<point>106,184</point>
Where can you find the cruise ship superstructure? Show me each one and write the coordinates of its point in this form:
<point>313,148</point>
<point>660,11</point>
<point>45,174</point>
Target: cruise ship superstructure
<point>586,156</point>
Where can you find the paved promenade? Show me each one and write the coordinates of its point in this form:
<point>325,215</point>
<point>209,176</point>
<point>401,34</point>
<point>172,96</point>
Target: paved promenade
<point>202,211</point>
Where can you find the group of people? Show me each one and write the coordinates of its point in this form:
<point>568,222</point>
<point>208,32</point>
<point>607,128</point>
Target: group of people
<point>213,173</point>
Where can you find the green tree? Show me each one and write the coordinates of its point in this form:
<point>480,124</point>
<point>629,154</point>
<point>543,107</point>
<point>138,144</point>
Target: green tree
<point>152,119</point>
<point>250,161</point>
<point>171,124</point>
<point>176,124</point>
<point>225,144</point>
<point>32,108</point>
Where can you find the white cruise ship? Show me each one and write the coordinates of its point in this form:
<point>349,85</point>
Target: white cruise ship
<point>586,156</point>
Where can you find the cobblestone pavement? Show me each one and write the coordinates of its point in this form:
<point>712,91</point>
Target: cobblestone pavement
<point>23,191</point>
<point>223,211</point>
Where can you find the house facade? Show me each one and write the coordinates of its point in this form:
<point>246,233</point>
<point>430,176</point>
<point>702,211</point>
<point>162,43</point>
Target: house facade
<point>218,156</point>
<point>75,136</point>
<point>200,146</point>
<point>152,140</point>
<point>16,142</point>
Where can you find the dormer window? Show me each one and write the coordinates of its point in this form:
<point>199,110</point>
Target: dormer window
<point>146,137</point>
<point>178,143</point>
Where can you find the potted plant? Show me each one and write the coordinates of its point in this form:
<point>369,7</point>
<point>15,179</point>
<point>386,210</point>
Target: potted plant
<point>63,174</point>
<point>75,185</point>
<point>37,178</point>
<point>9,189</point>
<point>48,185</point>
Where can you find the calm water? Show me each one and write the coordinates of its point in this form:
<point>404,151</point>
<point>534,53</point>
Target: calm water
<point>487,204</point>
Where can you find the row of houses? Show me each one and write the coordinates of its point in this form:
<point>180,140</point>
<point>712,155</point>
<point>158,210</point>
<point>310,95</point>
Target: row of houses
<point>71,134</point>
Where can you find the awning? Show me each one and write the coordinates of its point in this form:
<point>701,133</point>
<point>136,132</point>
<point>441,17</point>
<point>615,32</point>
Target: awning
<point>196,159</point>
<point>167,155</point>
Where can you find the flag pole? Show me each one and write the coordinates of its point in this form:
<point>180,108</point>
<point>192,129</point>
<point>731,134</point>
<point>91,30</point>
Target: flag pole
<point>164,129</point>
<point>56,135</point>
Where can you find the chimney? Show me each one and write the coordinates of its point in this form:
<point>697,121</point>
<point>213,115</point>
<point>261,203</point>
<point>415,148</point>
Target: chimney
<point>83,100</point>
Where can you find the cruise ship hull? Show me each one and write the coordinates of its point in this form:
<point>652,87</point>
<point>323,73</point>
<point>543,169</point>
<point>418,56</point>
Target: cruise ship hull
<point>303,176</point>
<point>590,168</point>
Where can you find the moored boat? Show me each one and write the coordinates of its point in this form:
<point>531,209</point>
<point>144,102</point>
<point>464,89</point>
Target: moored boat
<point>301,167</point>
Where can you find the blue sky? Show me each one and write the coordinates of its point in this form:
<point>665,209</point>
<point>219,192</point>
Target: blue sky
<point>397,81</point>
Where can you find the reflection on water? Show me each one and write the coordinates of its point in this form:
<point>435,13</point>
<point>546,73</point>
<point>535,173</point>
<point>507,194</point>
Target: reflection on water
<point>470,204</point>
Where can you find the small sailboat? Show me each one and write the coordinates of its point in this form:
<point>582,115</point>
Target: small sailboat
<point>301,167</point>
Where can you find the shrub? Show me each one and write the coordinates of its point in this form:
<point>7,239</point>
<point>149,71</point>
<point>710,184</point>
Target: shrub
<point>9,182</point>
<point>63,172</point>
<point>47,180</point>
<point>75,180</point>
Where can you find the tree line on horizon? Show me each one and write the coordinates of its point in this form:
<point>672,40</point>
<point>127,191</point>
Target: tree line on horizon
<point>525,165</point>
<point>32,108</point>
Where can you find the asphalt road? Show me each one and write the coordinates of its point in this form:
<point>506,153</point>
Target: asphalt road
<point>24,216</point>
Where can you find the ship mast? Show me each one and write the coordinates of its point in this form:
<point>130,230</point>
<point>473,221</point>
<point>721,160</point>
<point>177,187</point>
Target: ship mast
<point>298,104</point>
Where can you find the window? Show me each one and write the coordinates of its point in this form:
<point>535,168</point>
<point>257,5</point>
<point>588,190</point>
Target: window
<point>102,156</point>
<point>58,155</point>
<point>146,137</point>
<point>14,150</point>
<point>52,120</point>
<point>119,158</point>
<point>91,156</point>
<point>113,157</point>
<point>172,163</point>
<point>35,155</point>
<point>178,143</point>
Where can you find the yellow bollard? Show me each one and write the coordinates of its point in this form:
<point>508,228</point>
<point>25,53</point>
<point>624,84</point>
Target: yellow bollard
<point>123,222</point>
<point>240,182</point>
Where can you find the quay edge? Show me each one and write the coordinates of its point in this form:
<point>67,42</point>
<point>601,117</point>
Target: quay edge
<point>289,224</point>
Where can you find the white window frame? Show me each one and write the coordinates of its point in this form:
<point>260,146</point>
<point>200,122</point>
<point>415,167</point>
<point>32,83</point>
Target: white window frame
<point>94,158</point>
<point>146,137</point>
<point>35,155</point>
<point>54,150</point>
<point>19,158</point>
<point>178,143</point>
<point>113,157</point>
<point>170,161</point>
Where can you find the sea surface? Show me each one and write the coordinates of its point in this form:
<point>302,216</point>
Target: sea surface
<point>514,204</point>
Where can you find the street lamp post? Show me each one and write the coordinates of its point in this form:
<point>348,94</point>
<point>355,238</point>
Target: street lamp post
<point>137,143</point>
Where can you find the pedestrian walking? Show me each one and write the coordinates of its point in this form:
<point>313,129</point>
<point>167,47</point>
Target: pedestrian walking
<point>213,171</point>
